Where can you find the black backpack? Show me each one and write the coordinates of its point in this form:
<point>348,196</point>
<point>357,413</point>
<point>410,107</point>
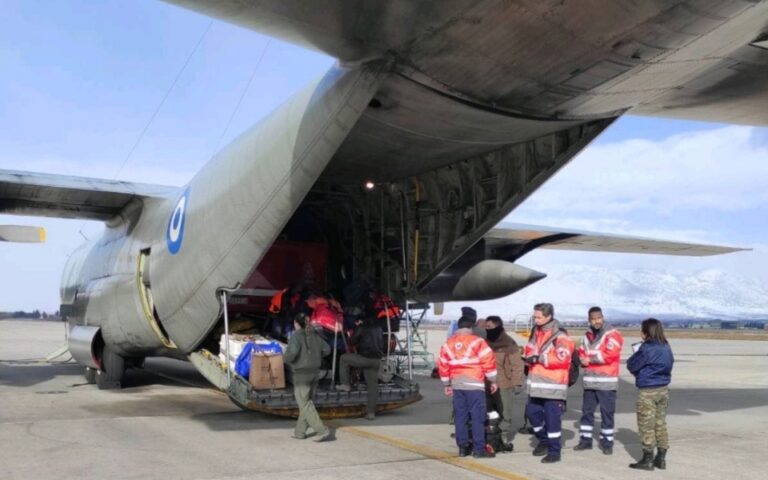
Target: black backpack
<point>494,439</point>
<point>573,372</point>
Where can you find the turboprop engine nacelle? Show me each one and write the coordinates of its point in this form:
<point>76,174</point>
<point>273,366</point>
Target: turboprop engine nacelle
<point>486,280</point>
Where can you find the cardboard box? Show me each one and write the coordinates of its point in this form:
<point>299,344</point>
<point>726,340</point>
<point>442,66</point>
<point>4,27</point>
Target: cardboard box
<point>267,372</point>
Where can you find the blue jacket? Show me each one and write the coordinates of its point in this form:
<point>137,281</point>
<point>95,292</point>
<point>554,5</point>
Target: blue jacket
<point>652,365</point>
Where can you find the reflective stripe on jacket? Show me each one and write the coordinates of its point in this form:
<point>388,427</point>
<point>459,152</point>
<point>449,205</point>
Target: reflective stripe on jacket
<point>465,362</point>
<point>603,352</point>
<point>548,378</point>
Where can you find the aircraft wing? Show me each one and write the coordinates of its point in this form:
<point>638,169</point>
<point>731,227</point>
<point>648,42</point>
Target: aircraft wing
<point>21,234</point>
<point>45,195</point>
<point>694,59</point>
<point>512,241</point>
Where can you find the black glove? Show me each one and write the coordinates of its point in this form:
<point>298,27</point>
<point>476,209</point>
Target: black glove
<point>532,359</point>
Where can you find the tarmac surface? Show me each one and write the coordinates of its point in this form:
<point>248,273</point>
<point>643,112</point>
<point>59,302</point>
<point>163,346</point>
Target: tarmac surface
<point>169,423</point>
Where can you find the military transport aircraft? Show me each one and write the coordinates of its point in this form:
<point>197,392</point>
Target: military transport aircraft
<point>439,118</point>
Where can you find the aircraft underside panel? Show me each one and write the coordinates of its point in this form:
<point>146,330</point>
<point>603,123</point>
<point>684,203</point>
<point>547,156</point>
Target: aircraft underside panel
<point>700,59</point>
<point>419,226</point>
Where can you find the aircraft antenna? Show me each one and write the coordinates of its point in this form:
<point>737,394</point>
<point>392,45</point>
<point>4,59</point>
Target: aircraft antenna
<point>242,96</point>
<point>157,109</point>
<point>162,102</point>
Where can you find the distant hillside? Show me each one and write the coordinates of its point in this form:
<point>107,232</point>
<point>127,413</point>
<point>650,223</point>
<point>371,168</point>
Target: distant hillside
<point>630,294</point>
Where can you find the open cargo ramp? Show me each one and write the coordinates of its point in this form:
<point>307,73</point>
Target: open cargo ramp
<point>394,394</point>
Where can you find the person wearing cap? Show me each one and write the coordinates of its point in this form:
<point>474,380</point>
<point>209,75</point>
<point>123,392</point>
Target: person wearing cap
<point>465,363</point>
<point>478,331</point>
<point>468,312</point>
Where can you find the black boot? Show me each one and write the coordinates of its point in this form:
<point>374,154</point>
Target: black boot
<point>583,445</point>
<point>540,450</point>
<point>661,461</point>
<point>465,451</point>
<point>645,463</point>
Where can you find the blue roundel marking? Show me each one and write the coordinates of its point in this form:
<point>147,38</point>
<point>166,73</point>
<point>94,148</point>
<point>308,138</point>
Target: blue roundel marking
<point>174,234</point>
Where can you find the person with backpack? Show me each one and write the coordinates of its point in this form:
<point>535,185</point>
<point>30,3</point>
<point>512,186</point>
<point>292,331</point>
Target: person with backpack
<point>548,354</point>
<point>652,365</point>
<point>599,353</point>
<point>304,355</point>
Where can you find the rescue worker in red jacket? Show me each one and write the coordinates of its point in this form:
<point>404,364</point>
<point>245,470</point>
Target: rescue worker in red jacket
<point>548,355</point>
<point>464,364</point>
<point>599,354</point>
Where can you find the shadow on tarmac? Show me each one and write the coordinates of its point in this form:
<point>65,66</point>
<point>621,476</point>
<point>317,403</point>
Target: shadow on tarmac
<point>221,415</point>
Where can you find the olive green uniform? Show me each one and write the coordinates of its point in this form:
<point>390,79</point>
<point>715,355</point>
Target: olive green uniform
<point>304,355</point>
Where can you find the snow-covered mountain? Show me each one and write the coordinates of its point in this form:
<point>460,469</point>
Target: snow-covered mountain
<point>636,293</point>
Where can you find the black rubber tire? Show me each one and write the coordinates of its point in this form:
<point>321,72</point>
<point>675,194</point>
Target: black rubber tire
<point>135,362</point>
<point>90,375</point>
<point>112,371</point>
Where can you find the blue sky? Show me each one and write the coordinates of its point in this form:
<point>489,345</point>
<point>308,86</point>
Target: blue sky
<point>81,80</point>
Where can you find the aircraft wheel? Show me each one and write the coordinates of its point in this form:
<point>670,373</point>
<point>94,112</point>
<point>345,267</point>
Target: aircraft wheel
<point>90,375</point>
<point>112,372</point>
<point>135,362</point>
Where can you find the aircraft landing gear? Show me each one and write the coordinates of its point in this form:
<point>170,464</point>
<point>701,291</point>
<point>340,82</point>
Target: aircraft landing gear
<point>112,370</point>
<point>90,375</point>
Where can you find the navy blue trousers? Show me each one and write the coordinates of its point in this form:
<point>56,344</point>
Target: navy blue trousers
<point>469,405</point>
<point>546,417</point>
<point>607,401</point>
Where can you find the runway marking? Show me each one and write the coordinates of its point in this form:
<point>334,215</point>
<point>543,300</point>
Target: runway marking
<point>431,453</point>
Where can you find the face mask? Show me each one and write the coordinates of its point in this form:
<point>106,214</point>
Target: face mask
<point>494,333</point>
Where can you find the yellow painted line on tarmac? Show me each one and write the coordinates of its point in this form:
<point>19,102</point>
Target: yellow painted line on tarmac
<point>431,453</point>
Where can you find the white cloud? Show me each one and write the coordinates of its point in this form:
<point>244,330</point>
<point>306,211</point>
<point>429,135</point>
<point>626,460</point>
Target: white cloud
<point>714,169</point>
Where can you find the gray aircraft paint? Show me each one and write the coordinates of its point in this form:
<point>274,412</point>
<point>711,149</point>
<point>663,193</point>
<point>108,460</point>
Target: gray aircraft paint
<point>233,210</point>
<point>240,201</point>
<point>441,104</point>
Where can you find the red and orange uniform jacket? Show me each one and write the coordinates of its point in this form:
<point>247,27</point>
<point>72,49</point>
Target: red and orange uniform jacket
<point>466,361</point>
<point>548,377</point>
<point>601,353</point>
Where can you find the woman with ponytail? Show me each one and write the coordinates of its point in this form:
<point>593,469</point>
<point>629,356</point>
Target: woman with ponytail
<point>651,365</point>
